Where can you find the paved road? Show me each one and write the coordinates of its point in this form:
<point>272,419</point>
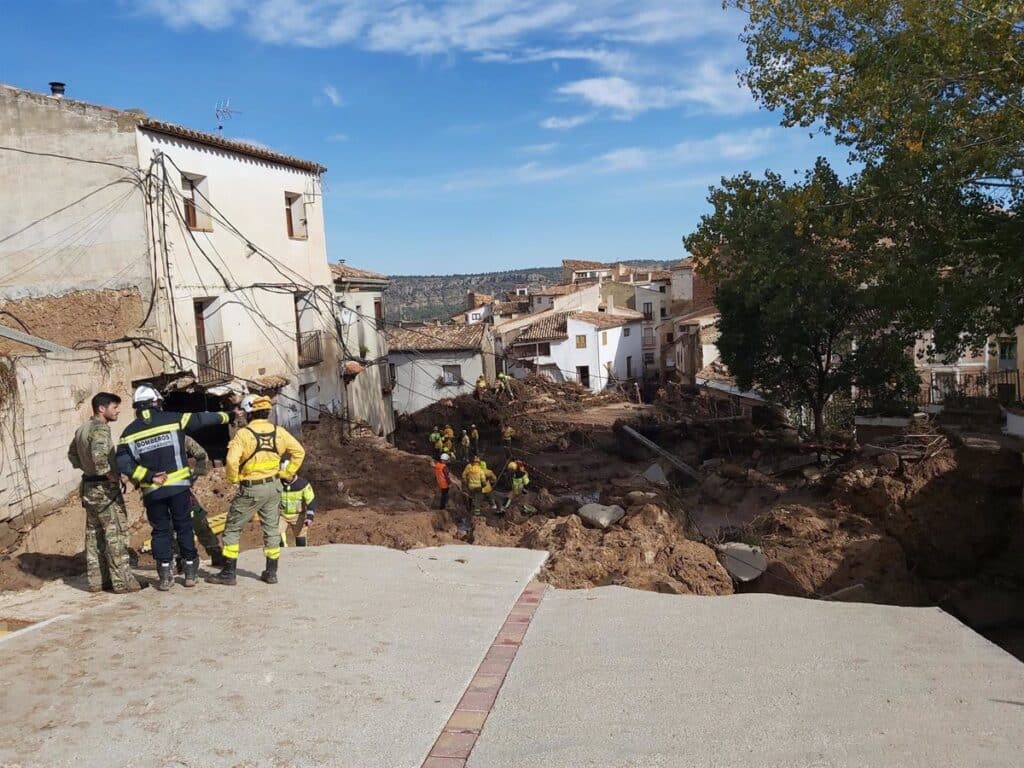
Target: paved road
<point>356,658</point>
<point>370,658</point>
<point>617,678</point>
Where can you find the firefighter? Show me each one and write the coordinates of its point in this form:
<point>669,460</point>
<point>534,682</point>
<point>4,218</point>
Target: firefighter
<point>449,433</point>
<point>507,433</point>
<point>464,443</point>
<point>481,387</point>
<point>254,461</point>
<point>152,454</point>
<point>443,475</point>
<point>199,460</point>
<point>474,435</point>
<point>474,478</point>
<point>435,435</point>
<point>520,477</point>
<point>298,508</point>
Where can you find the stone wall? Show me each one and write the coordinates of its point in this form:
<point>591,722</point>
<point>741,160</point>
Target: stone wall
<point>43,400</point>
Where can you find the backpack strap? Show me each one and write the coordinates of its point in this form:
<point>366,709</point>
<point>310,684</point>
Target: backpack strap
<point>266,442</point>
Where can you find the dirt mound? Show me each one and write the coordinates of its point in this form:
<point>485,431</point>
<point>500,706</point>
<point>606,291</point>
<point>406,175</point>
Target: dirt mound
<point>815,552</point>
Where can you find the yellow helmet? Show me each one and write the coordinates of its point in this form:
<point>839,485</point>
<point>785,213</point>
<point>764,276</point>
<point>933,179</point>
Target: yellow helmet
<point>512,465</point>
<point>258,403</point>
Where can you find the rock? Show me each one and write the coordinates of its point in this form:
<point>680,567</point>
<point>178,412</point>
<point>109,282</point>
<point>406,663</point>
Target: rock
<point>732,471</point>
<point>712,463</point>
<point>888,461</point>
<point>743,562</point>
<point>656,475</point>
<point>813,474</point>
<point>639,497</point>
<point>600,515</point>
<point>669,586</point>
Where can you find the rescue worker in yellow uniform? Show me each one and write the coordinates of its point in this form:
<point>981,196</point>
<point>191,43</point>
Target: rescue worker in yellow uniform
<point>298,508</point>
<point>474,478</point>
<point>481,387</point>
<point>449,433</point>
<point>490,480</point>
<point>254,461</point>
<point>464,444</point>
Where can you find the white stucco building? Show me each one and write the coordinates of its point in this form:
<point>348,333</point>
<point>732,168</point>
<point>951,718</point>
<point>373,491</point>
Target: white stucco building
<point>207,252</point>
<point>434,362</point>
<point>175,256</point>
<point>595,349</point>
<point>366,383</point>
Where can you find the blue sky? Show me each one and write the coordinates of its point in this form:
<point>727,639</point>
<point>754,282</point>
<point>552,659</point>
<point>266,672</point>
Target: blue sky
<point>460,135</point>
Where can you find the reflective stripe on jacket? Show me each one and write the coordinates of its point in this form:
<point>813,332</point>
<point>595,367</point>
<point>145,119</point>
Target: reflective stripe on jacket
<point>297,497</point>
<point>155,442</point>
<point>247,459</point>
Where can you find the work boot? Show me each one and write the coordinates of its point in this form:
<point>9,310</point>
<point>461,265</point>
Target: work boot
<point>163,570</point>
<point>95,587</point>
<point>300,541</point>
<point>179,565</point>
<point>269,575</point>
<point>131,586</point>
<point>226,575</point>
<point>191,572</point>
<point>217,559</point>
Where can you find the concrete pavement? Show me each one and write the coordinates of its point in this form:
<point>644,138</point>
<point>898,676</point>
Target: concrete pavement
<point>617,678</point>
<point>357,658</point>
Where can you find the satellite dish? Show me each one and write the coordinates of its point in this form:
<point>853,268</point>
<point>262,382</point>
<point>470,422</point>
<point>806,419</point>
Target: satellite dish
<point>743,562</point>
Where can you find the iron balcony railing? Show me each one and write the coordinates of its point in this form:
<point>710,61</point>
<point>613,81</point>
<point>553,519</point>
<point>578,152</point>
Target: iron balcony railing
<point>214,363</point>
<point>311,350</point>
<point>998,385</point>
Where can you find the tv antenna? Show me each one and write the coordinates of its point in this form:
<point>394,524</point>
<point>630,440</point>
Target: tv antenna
<point>224,111</point>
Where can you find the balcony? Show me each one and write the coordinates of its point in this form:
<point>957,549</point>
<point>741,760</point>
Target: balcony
<point>214,364</point>
<point>311,350</point>
<point>649,342</point>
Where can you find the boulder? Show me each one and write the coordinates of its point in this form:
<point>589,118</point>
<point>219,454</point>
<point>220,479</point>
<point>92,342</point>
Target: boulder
<point>601,515</point>
<point>656,475</point>
<point>639,497</point>
<point>732,471</point>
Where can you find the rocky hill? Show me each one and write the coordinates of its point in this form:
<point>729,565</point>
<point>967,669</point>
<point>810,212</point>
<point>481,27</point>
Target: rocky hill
<point>430,297</point>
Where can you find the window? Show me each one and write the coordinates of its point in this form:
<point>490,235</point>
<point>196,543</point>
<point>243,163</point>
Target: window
<point>648,310</point>
<point>452,375</point>
<point>544,350</point>
<point>648,358</point>
<point>604,338</point>
<point>392,374</point>
<point>629,367</point>
<point>581,342</point>
<point>662,288</point>
<point>669,338</point>
<point>378,312</point>
<point>664,313</point>
<point>295,215</point>
<point>475,316</point>
<point>195,192</point>
<point>625,331</point>
<point>648,337</point>
<point>533,350</point>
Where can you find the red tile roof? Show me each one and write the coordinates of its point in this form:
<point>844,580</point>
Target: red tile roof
<point>240,147</point>
<point>348,273</point>
<point>437,338</point>
<point>550,327</point>
<point>604,320</point>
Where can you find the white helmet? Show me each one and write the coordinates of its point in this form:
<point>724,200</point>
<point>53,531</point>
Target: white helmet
<point>445,457</point>
<point>146,394</point>
<point>246,404</point>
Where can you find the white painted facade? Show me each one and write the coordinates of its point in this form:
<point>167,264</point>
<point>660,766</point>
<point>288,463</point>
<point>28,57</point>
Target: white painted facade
<point>416,376</point>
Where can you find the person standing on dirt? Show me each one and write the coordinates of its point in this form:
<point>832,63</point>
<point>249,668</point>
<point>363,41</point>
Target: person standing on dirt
<point>464,443</point>
<point>481,387</point>
<point>449,433</point>
<point>443,475</point>
<point>474,435</point>
<point>505,385</point>
<point>507,433</point>
<point>199,460</point>
<point>106,519</point>
<point>298,508</point>
<point>254,461</point>
<point>435,435</point>
<point>474,478</point>
<point>151,453</point>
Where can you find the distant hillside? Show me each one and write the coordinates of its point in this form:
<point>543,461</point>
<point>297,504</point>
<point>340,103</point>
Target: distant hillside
<point>429,297</point>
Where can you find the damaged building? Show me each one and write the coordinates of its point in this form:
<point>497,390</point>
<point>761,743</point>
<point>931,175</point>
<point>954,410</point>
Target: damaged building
<point>140,250</point>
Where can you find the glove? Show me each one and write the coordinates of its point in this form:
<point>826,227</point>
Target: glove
<point>309,519</point>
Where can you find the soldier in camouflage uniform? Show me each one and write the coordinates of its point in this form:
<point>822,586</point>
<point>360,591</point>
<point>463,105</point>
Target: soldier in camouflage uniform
<point>106,520</point>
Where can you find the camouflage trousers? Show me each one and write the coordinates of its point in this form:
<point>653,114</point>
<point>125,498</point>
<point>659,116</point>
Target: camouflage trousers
<point>106,536</point>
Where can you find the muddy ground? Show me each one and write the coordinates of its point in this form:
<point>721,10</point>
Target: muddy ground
<point>910,520</point>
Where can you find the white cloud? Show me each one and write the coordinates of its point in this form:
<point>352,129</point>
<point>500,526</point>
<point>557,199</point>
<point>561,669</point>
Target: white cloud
<point>710,157</point>
<point>338,137</point>
<point>609,92</point>
<point>332,95</point>
<point>565,123</point>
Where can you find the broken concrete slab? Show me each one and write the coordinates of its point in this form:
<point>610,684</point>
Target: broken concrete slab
<point>751,681</point>
<point>357,657</point>
<point>601,515</point>
<point>742,561</point>
<point>655,475</point>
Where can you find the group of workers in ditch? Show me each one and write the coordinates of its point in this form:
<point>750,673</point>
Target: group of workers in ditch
<point>479,482</point>
<point>159,457</point>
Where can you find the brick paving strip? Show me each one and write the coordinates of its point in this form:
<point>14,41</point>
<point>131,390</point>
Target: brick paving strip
<point>453,746</point>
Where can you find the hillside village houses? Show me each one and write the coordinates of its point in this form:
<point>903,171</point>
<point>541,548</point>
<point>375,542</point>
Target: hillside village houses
<point>432,362</point>
<point>139,250</point>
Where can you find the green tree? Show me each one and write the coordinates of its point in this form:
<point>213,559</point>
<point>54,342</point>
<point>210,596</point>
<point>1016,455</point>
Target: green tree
<point>795,290</point>
<point>929,96</point>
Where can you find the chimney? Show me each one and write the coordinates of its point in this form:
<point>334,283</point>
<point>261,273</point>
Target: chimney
<point>57,89</point>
